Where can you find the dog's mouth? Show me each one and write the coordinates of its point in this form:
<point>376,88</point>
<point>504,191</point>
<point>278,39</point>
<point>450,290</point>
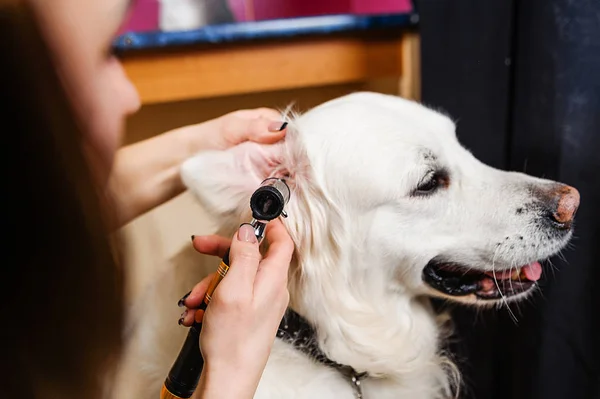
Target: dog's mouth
<point>458,280</point>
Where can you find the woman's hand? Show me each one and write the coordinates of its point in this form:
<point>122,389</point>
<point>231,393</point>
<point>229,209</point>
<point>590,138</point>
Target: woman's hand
<point>146,174</point>
<point>241,322</point>
<point>261,125</point>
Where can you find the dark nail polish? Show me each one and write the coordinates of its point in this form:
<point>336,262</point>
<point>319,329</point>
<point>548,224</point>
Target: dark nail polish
<point>182,317</point>
<point>182,300</point>
<point>277,126</point>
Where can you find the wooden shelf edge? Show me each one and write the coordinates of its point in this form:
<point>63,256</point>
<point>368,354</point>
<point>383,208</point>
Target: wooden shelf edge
<point>203,73</point>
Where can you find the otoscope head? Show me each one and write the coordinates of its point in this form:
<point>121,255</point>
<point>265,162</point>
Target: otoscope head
<point>268,201</point>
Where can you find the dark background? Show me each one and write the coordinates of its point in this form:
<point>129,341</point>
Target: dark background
<point>523,80</point>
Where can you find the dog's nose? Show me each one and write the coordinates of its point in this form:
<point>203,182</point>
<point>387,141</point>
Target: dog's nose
<point>567,202</point>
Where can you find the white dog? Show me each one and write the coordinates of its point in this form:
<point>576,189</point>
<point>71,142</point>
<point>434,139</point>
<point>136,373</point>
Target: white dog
<point>387,209</point>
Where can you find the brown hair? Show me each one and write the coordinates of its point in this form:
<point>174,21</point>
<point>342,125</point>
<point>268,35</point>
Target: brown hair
<point>61,287</point>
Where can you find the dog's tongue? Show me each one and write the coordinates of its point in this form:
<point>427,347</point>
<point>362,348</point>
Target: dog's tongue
<point>533,271</point>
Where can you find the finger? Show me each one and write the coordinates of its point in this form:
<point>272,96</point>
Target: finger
<point>187,317</point>
<point>244,258</point>
<point>261,130</point>
<point>273,272</point>
<point>279,241</point>
<point>195,297</point>
<point>267,113</point>
<point>275,131</point>
<point>211,245</point>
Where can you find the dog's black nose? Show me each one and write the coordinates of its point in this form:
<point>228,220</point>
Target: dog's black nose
<point>563,204</point>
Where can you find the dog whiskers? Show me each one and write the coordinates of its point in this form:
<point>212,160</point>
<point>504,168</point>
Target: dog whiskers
<point>510,278</point>
<point>553,267</point>
<point>561,255</point>
<point>498,286</point>
<point>519,278</point>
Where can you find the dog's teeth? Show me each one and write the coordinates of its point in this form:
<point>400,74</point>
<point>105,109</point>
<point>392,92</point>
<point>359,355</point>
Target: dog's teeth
<point>522,275</point>
<point>516,275</point>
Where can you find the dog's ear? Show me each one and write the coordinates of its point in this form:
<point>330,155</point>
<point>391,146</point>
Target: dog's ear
<point>223,181</point>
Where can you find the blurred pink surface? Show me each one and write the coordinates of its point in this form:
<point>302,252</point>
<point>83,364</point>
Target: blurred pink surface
<point>273,9</point>
<point>145,13</point>
<point>143,16</point>
<point>381,6</point>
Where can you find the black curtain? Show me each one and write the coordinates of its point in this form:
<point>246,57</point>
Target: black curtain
<point>522,79</point>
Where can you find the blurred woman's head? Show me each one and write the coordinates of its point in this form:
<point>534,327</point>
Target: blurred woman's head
<point>80,35</point>
<point>63,104</point>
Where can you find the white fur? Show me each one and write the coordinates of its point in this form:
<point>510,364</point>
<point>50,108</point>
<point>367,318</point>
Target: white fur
<point>362,240</point>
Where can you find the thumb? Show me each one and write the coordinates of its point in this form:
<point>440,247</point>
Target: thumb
<point>244,258</point>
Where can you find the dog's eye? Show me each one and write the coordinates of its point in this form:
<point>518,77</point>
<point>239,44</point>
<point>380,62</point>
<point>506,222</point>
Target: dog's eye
<point>428,185</point>
<point>431,183</point>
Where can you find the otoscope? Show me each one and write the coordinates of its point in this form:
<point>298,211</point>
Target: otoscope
<point>266,203</point>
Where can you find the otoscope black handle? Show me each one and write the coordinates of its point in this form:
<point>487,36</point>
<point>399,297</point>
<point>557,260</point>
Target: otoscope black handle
<point>183,378</point>
<point>184,375</point>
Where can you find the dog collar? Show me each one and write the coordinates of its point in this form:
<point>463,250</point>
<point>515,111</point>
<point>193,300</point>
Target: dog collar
<point>296,331</point>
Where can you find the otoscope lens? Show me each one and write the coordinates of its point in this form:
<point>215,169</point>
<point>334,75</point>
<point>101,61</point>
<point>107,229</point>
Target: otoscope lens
<point>269,199</point>
<point>266,203</point>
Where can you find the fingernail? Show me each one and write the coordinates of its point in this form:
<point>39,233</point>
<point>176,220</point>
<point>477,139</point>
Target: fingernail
<point>246,233</point>
<point>183,298</point>
<point>277,126</point>
<point>180,321</point>
<point>193,237</point>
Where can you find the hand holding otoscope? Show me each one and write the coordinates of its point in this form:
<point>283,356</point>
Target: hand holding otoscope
<point>244,322</point>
